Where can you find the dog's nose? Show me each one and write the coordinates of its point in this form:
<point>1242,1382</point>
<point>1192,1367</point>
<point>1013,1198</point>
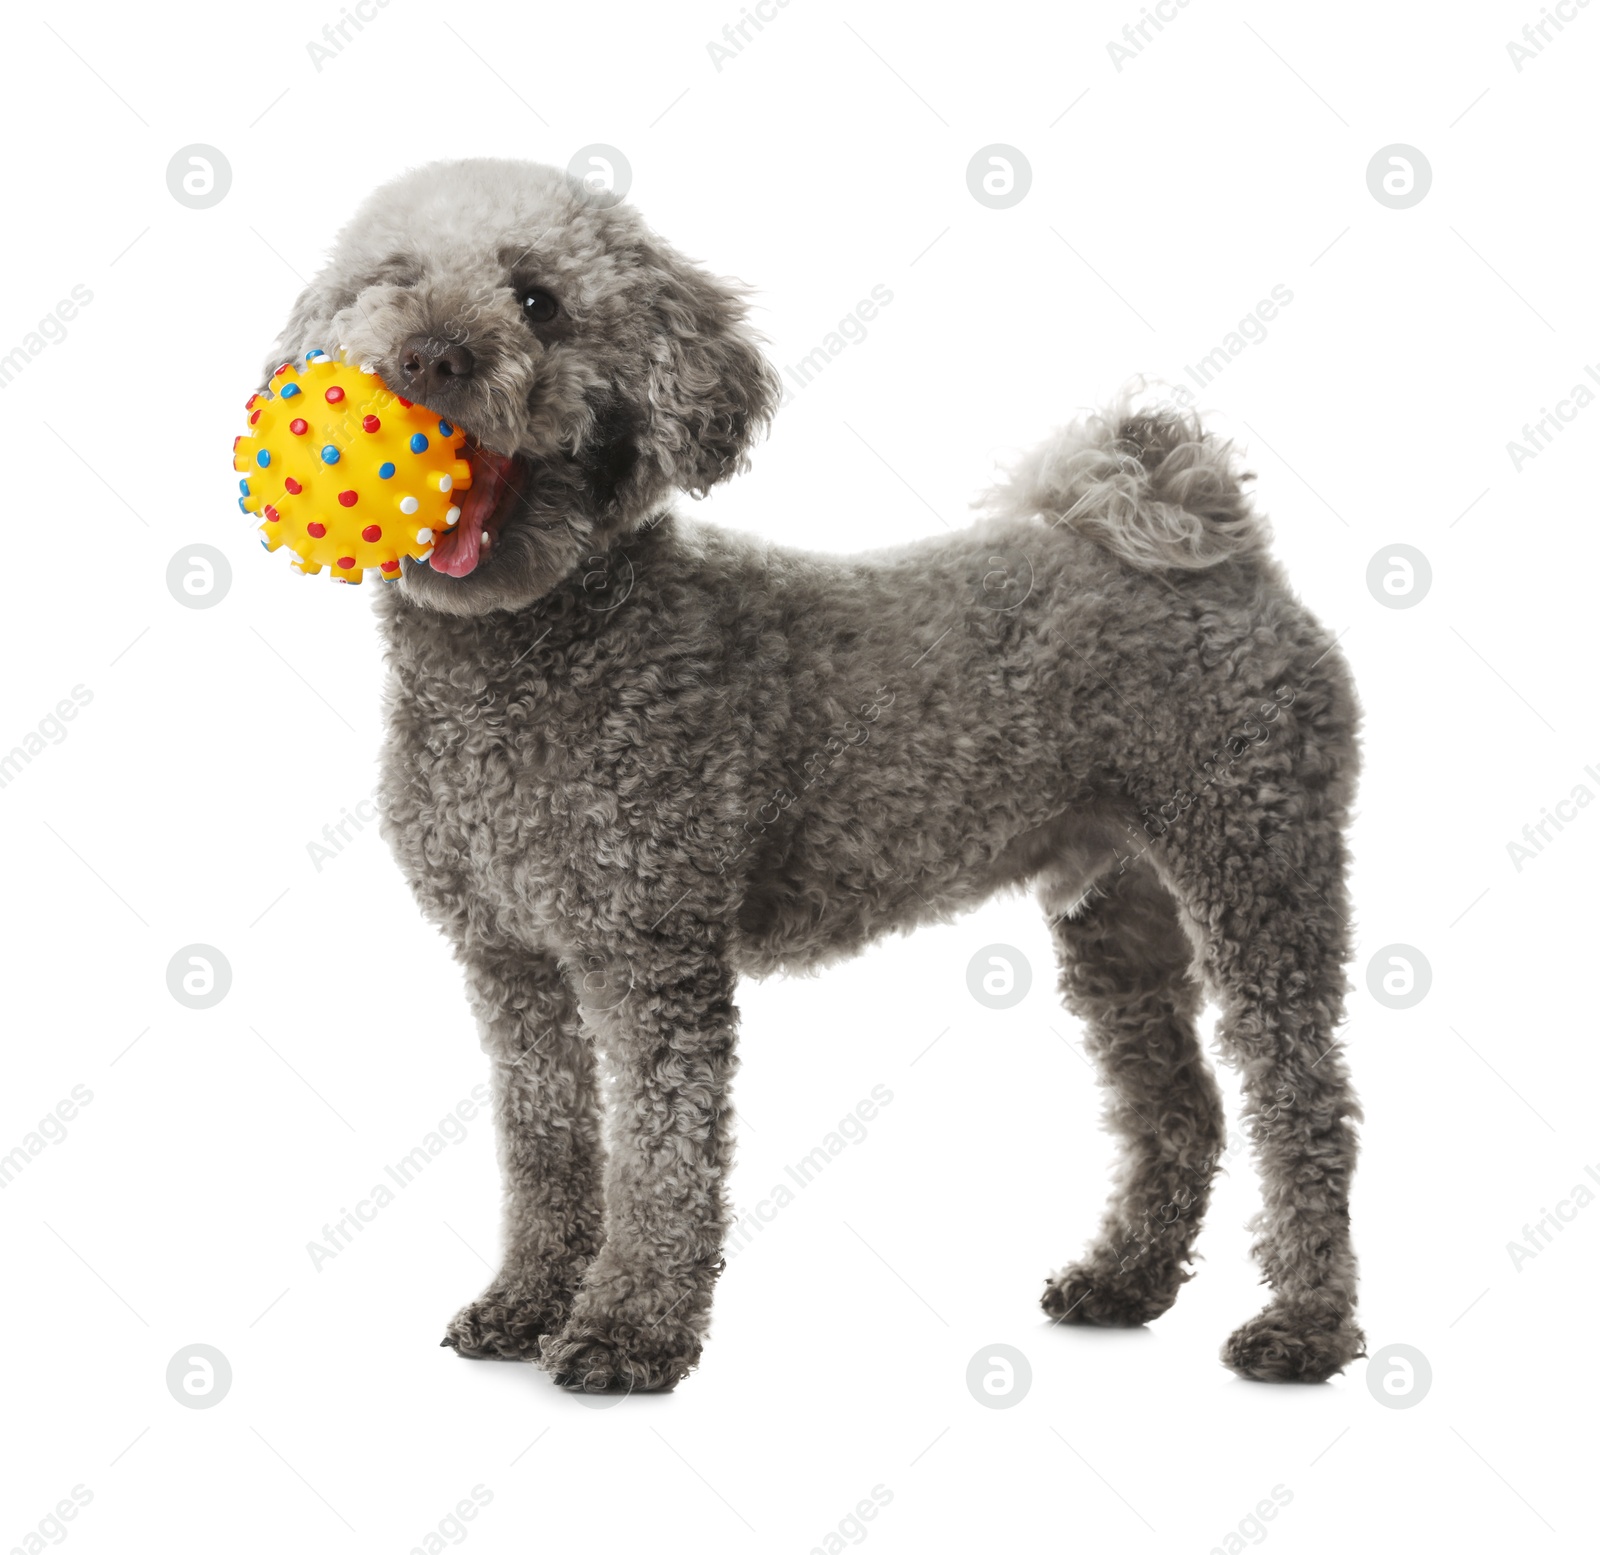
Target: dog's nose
<point>426,365</point>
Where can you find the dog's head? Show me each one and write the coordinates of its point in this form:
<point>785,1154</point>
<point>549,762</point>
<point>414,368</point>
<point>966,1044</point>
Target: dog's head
<point>593,368</point>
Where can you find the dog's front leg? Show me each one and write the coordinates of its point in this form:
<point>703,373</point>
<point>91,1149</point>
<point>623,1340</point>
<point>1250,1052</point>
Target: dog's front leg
<point>549,1136</point>
<point>645,1304</point>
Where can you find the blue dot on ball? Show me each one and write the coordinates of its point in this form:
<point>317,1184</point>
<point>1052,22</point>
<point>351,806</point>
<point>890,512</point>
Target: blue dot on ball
<point>330,454</point>
<point>385,471</point>
<point>242,507</point>
<point>418,442</point>
<point>263,458</point>
<point>244,486</point>
<point>290,390</point>
<point>445,429</point>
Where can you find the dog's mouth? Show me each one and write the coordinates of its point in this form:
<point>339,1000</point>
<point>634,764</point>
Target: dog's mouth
<point>496,489</point>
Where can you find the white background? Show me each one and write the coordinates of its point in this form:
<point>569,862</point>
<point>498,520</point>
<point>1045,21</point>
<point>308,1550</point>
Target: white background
<point>830,156</point>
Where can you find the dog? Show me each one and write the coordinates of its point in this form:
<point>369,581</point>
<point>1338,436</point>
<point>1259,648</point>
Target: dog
<point>630,758</point>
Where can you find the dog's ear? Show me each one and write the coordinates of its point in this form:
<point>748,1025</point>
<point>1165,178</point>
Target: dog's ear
<point>310,319</point>
<point>711,391</point>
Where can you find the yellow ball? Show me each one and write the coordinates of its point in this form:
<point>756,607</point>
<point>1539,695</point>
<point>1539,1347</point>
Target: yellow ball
<point>346,474</point>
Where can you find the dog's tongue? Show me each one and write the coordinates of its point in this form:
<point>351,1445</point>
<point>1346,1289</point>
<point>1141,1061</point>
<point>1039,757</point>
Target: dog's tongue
<point>456,552</point>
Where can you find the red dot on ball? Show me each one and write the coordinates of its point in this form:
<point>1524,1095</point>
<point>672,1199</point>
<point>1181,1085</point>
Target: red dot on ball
<point>271,513</point>
<point>347,499</point>
<point>255,416</point>
<point>389,566</point>
<point>407,403</point>
<point>347,561</point>
<point>292,486</point>
<point>372,534</point>
<point>370,423</point>
<point>316,531</point>
<point>298,427</point>
<point>334,395</point>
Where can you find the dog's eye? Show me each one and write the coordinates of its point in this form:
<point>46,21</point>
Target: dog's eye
<point>538,306</point>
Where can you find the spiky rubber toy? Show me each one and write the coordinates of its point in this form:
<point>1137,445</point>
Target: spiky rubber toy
<point>345,473</point>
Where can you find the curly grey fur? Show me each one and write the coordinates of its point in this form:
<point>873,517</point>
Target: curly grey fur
<point>631,758</point>
<point>1152,486</point>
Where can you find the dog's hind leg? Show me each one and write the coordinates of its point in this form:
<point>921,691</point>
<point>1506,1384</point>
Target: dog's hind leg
<point>1125,970</point>
<point>1263,877</point>
<point>547,1121</point>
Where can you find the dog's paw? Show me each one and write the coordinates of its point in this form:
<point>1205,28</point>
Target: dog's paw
<point>1290,1343</point>
<point>506,1323</point>
<point>1109,1296</point>
<point>599,1353</point>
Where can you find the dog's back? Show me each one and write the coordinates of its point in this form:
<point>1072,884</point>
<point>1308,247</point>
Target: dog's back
<point>969,711</point>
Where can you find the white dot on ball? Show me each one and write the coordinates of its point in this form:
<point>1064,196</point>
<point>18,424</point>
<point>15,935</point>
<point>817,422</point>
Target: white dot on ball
<point>408,504</point>
<point>445,483</point>
<point>451,517</point>
<point>424,536</point>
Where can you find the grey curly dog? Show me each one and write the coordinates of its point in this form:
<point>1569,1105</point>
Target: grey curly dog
<point>630,757</point>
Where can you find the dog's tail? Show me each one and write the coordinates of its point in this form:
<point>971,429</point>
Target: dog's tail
<point>1150,485</point>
